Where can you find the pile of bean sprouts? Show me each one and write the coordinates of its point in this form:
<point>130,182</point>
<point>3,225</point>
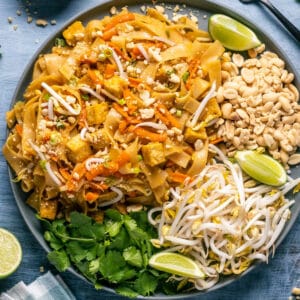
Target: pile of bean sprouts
<point>222,221</point>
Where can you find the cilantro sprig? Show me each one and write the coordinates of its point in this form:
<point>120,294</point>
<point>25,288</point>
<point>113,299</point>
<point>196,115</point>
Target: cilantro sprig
<point>114,253</point>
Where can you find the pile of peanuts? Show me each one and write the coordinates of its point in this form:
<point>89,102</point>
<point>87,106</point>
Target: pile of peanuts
<point>260,106</point>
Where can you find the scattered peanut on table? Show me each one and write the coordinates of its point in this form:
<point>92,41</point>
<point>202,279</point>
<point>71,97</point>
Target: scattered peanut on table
<point>260,106</point>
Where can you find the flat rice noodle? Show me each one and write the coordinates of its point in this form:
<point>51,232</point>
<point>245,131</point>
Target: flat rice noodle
<point>214,72</point>
<point>72,62</point>
<point>211,111</point>
<point>149,71</point>
<point>175,36</point>
<point>178,51</point>
<point>53,62</point>
<point>153,13</point>
<point>199,48</point>
<point>166,98</point>
<point>137,35</point>
<point>199,86</point>
<point>181,159</point>
<point>36,84</point>
<point>92,27</point>
<point>191,105</point>
<point>151,25</point>
<point>29,127</point>
<point>157,177</point>
<point>13,155</point>
<point>161,192</point>
<point>145,200</point>
<point>214,52</point>
<point>199,160</point>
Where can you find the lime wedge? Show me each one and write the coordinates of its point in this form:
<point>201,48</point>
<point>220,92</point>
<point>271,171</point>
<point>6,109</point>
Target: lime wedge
<point>10,253</point>
<point>261,167</point>
<point>232,34</point>
<point>176,264</point>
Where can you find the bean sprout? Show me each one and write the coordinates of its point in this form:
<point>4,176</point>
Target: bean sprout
<point>221,224</point>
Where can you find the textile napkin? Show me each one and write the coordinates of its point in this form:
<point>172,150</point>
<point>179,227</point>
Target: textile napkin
<point>45,287</point>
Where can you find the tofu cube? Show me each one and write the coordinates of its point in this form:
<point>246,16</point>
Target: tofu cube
<point>96,113</point>
<point>78,149</point>
<point>153,154</point>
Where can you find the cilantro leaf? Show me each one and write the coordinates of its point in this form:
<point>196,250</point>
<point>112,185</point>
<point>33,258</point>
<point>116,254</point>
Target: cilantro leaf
<point>79,220</point>
<point>113,228</point>
<point>121,241</point>
<point>146,284</point>
<point>114,215</point>
<point>59,259</point>
<point>133,256</point>
<point>114,268</point>
<point>126,292</point>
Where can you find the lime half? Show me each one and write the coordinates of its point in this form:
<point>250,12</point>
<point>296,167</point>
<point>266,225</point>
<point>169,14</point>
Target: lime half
<point>10,253</point>
<point>232,34</point>
<point>261,167</point>
<point>176,264</point>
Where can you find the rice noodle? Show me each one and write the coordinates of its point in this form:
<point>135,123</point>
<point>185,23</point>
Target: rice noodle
<point>221,224</point>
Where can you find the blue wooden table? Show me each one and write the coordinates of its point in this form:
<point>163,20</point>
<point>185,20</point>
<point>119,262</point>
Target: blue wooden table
<point>19,40</point>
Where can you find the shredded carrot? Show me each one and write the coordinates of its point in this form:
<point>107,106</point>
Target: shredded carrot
<point>169,118</point>
<point>91,197</point>
<point>99,186</point>
<point>94,172</point>
<point>107,35</point>
<point>131,101</point>
<point>95,78</point>
<point>19,129</point>
<point>177,177</point>
<point>193,68</point>
<point>216,141</point>
<point>77,173</point>
<point>83,115</point>
<point>119,19</point>
<point>122,126</point>
<point>64,173</point>
<point>119,51</point>
<point>110,70</point>
<point>124,114</point>
<point>149,135</point>
<point>134,82</point>
<point>123,158</point>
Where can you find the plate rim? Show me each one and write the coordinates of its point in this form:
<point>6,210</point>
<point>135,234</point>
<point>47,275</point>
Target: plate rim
<point>103,8</point>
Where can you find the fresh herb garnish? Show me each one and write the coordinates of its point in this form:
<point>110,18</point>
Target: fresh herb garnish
<point>185,76</point>
<point>114,253</point>
<point>60,42</point>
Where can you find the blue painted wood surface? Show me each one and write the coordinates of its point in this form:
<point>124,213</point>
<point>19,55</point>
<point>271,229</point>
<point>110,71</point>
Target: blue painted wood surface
<point>272,281</point>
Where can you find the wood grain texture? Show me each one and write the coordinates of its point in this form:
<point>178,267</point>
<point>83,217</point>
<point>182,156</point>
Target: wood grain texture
<point>272,281</point>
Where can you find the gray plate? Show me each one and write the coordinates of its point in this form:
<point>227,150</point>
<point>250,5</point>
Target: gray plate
<point>199,8</point>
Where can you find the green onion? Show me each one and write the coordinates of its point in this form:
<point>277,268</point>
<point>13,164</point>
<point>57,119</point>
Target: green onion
<point>46,96</point>
<point>85,97</point>
<point>178,113</point>
<point>43,164</point>
<point>140,157</point>
<point>60,42</point>
<point>60,125</point>
<point>185,76</point>
<point>122,101</point>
